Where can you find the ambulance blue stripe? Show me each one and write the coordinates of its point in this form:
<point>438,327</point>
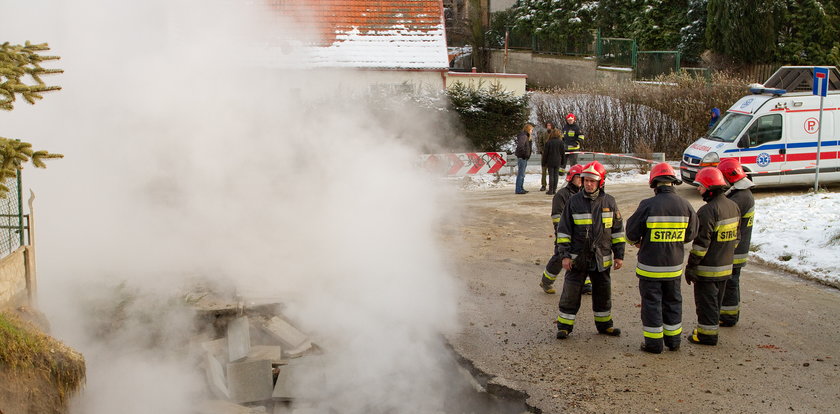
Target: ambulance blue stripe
<point>780,146</point>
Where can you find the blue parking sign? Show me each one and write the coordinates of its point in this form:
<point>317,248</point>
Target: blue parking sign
<point>820,81</point>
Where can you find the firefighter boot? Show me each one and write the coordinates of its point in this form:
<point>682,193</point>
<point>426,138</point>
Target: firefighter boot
<point>587,287</point>
<point>702,339</point>
<point>563,328</point>
<point>652,345</point>
<point>547,282</point>
<point>547,287</point>
<point>610,331</point>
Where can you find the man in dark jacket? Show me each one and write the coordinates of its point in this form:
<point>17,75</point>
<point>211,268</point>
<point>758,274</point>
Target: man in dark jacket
<point>590,240</point>
<point>523,153</point>
<point>711,256</point>
<point>659,227</point>
<point>573,138</point>
<point>741,194</point>
<point>552,156</point>
<point>558,204</point>
<point>541,140</point>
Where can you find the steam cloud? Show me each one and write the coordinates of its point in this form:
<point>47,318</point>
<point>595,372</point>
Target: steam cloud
<point>184,160</point>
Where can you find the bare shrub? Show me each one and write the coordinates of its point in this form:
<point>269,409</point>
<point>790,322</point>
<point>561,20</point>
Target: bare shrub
<point>666,115</point>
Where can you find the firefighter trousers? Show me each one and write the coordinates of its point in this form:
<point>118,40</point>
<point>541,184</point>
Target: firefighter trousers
<point>572,291</point>
<point>730,308</point>
<point>553,269</point>
<point>708,297</point>
<point>661,313</point>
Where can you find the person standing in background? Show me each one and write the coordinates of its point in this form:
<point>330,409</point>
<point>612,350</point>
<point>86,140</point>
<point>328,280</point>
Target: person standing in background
<point>523,153</point>
<point>715,116</point>
<point>551,159</point>
<point>541,140</point>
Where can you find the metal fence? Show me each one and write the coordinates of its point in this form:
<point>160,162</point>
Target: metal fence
<point>616,52</point>
<point>582,45</point>
<point>11,218</point>
<point>653,63</point>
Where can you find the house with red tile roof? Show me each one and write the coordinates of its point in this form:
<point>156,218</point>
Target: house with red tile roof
<point>395,42</point>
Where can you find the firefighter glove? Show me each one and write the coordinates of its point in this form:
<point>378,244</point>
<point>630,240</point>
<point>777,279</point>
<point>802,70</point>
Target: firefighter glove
<point>690,275</point>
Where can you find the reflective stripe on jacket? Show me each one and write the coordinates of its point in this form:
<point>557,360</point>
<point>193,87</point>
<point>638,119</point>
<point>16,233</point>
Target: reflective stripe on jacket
<point>572,137</point>
<point>746,204</point>
<point>558,203</point>
<point>662,224</point>
<point>713,250</point>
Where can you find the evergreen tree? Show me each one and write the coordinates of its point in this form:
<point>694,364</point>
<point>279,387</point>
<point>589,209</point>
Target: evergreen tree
<point>615,17</point>
<point>808,32</point>
<point>745,31</point>
<point>16,63</point>
<point>693,33</point>
<point>658,23</point>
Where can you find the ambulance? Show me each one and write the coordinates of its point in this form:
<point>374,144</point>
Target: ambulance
<point>774,132</point>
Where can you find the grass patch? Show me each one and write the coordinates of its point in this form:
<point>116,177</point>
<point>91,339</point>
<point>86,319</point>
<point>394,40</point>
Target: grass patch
<point>24,348</point>
<point>785,257</point>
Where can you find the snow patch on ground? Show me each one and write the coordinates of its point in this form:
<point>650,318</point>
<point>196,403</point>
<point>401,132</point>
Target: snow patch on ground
<point>800,233</point>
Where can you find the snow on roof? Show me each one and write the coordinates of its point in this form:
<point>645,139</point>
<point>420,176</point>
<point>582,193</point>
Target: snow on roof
<point>406,34</point>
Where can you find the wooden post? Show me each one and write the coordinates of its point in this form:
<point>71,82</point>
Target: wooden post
<point>29,255</point>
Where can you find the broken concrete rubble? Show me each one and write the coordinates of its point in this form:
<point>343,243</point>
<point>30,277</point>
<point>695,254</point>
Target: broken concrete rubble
<point>241,365</point>
<point>294,342</point>
<point>250,381</point>
<point>238,339</point>
<point>225,407</point>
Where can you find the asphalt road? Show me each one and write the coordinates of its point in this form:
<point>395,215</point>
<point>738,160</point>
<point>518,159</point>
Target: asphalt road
<point>784,355</point>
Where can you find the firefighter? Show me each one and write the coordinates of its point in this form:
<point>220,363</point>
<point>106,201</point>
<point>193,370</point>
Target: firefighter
<point>741,194</point>
<point>590,239</point>
<point>711,256</point>
<point>572,138</point>
<point>659,228</point>
<point>552,269</point>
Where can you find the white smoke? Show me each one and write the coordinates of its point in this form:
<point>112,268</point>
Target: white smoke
<point>181,160</point>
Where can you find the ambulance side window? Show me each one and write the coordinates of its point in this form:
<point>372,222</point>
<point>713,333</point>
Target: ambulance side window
<point>768,128</point>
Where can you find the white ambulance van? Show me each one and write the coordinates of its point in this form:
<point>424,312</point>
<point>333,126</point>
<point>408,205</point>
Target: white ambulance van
<point>774,131</point>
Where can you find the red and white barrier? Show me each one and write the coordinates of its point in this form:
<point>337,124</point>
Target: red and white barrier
<point>467,163</point>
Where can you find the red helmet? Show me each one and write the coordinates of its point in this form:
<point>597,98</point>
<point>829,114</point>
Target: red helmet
<point>594,170</point>
<point>571,116</point>
<point>711,178</point>
<point>575,170</point>
<point>731,169</point>
<point>663,172</point>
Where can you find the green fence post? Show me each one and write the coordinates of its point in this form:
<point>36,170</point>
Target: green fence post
<point>677,69</point>
<point>634,55</point>
<point>598,46</point>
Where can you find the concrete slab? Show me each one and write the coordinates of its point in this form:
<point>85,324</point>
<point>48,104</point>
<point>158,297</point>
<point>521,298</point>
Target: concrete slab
<point>291,338</point>
<point>226,407</point>
<point>215,376</point>
<point>250,381</point>
<point>238,339</point>
<point>217,347</point>
<point>273,353</point>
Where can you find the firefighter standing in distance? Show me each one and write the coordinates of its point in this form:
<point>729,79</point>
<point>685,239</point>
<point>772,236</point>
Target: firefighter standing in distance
<point>590,239</point>
<point>659,228</point>
<point>561,198</point>
<point>741,194</point>
<point>711,256</point>
<point>572,139</point>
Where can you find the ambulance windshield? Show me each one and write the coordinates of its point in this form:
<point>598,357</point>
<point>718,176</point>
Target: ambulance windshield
<point>729,127</point>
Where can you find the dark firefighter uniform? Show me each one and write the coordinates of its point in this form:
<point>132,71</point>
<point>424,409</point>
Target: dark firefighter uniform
<point>662,224</point>
<point>730,307</point>
<point>572,140</point>
<point>590,233</point>
<point>555,263</point>
<point>710,263</point>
